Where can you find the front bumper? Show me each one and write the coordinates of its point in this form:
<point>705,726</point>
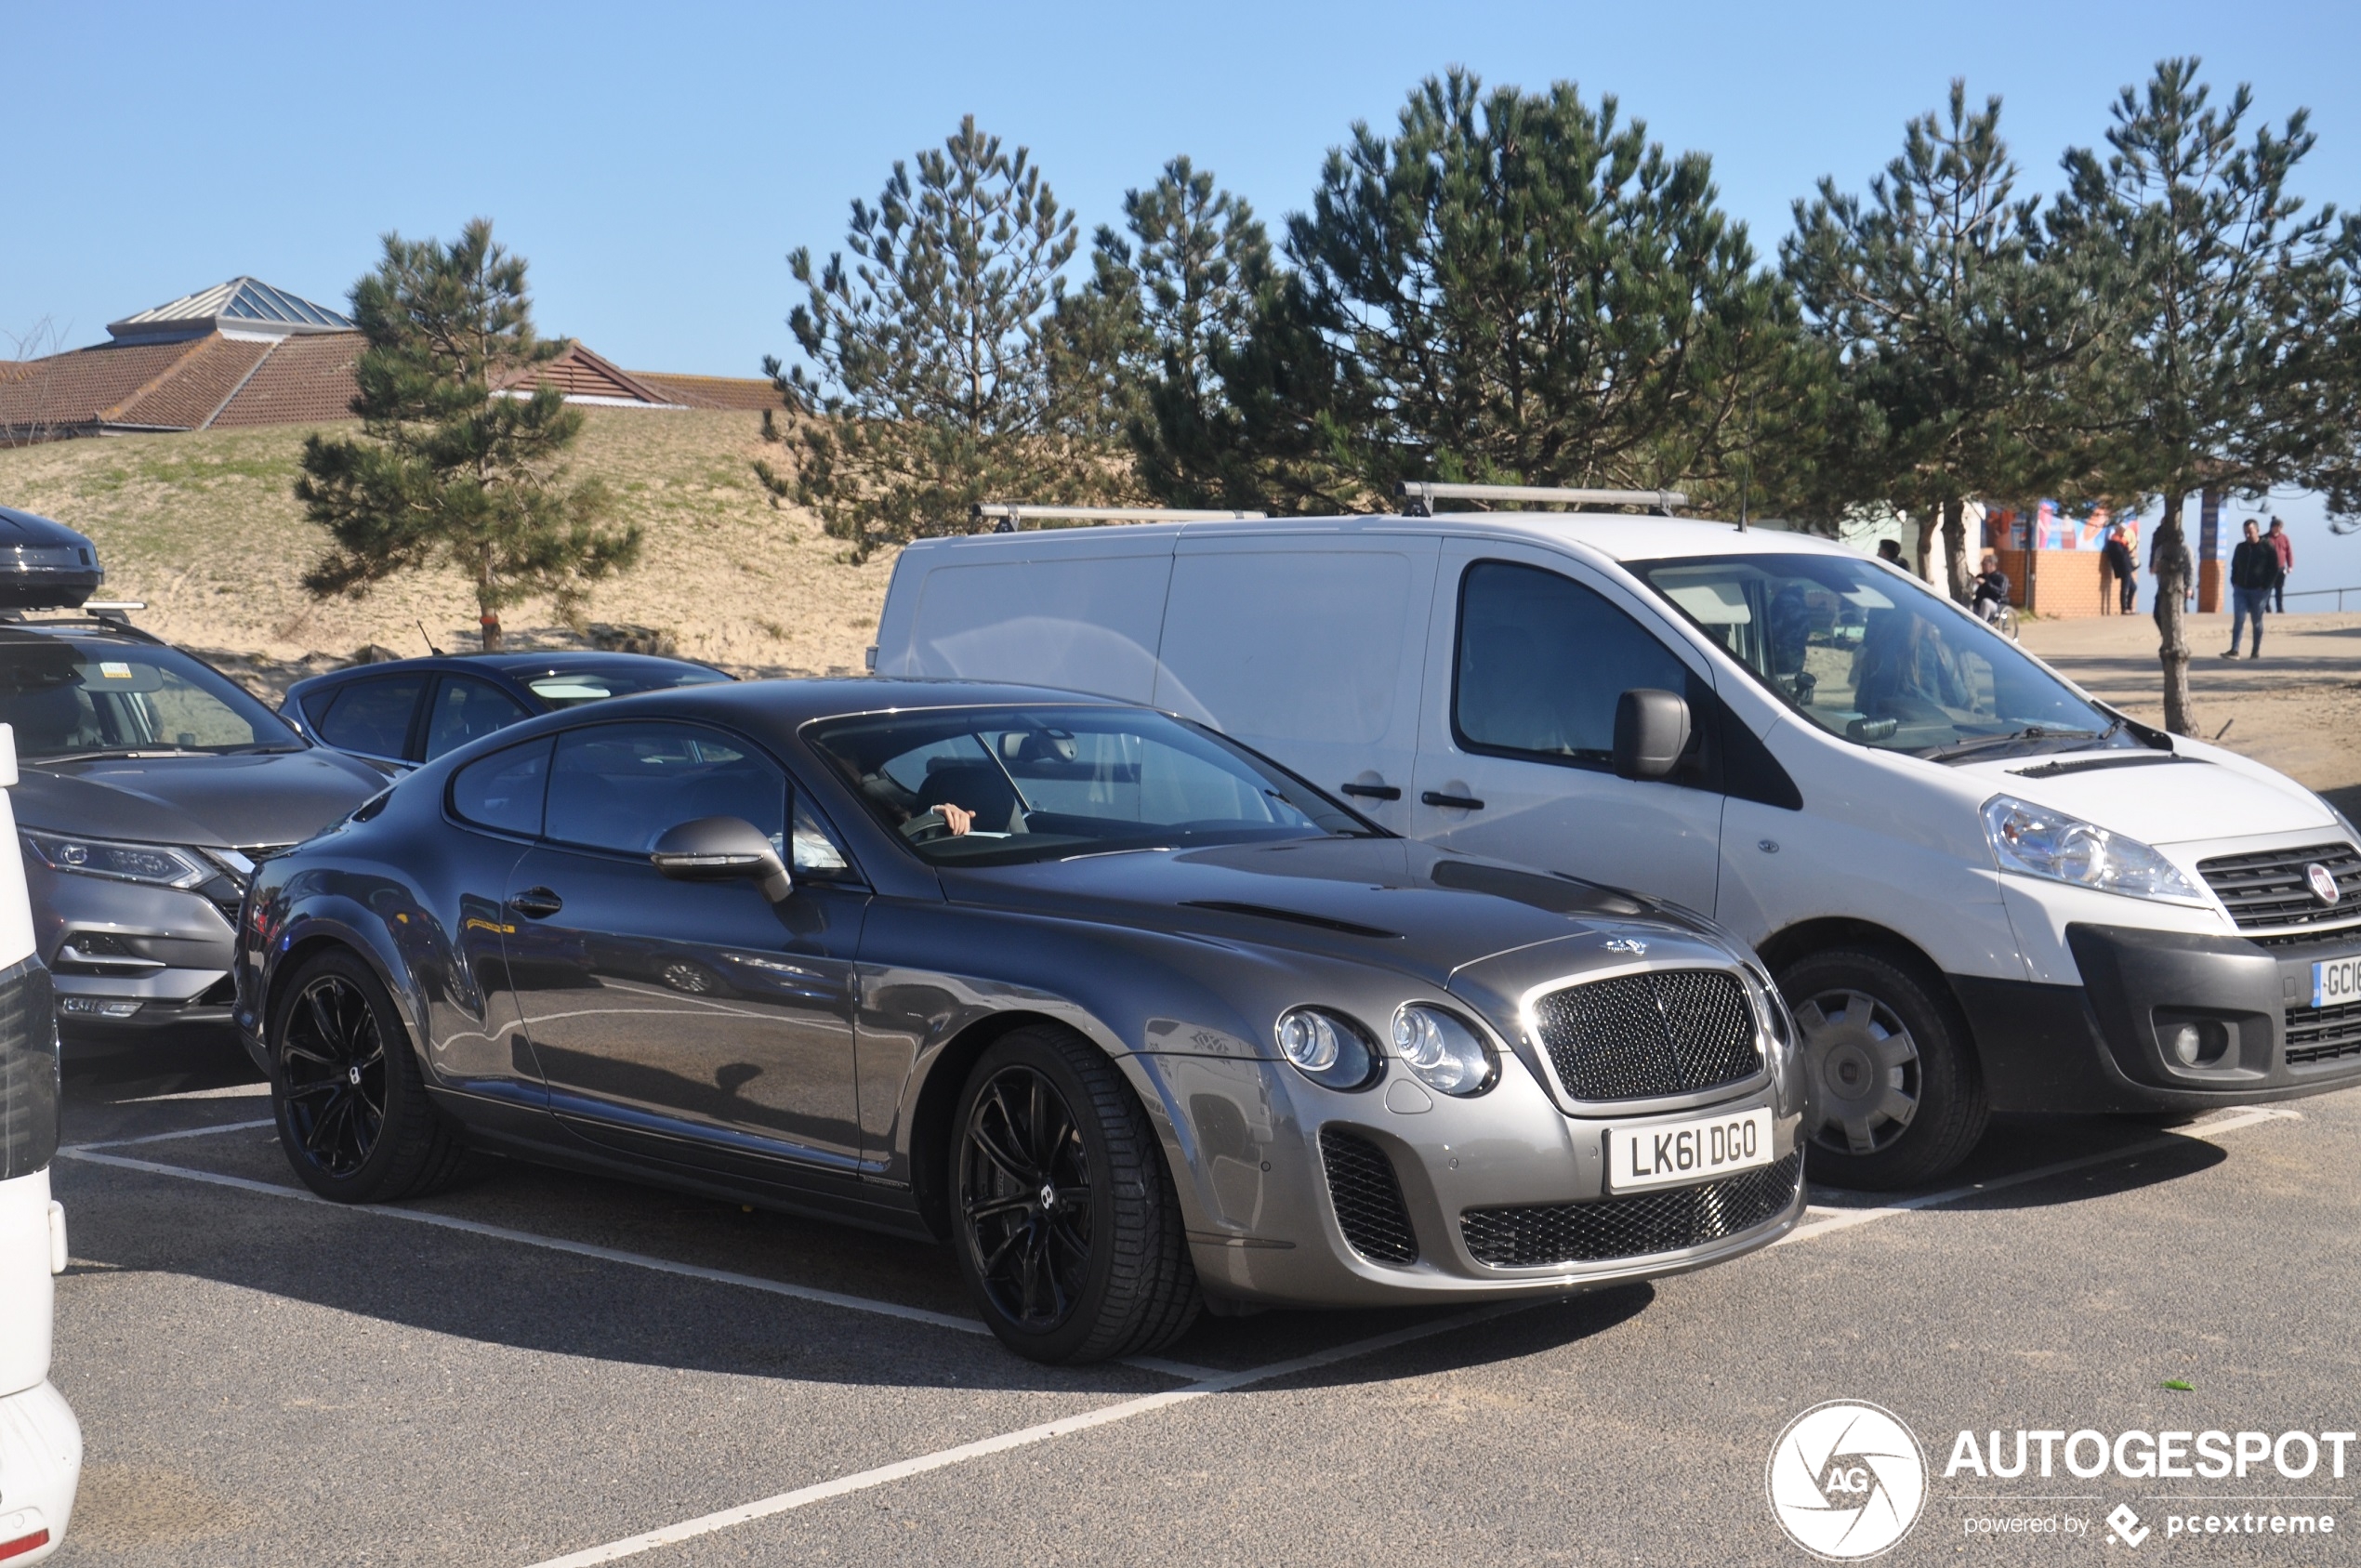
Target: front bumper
<point>1390,1196</point>
<point>131,960</point>
<point>2109,1043</point>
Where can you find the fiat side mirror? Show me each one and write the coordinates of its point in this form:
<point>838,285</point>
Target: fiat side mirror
<point>1651,732</point>
<point>723,850</point>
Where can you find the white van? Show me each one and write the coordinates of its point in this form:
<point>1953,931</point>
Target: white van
<point>40,1443</point>
<point>1981,889</point>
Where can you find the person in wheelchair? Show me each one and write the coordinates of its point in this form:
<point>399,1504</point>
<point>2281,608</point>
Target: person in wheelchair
<point>1991,599</point>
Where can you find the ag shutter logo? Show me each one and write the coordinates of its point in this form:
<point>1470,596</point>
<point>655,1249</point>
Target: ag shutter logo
<point>1846,1480</point>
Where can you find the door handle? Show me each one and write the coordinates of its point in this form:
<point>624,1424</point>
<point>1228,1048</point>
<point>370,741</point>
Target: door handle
<point>536,903</point>
<point>1457,802</point>
<point>1371,792</point>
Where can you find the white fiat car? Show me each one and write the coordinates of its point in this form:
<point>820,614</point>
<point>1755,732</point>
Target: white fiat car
<point>1980,887</point>
<point>40,1443</point>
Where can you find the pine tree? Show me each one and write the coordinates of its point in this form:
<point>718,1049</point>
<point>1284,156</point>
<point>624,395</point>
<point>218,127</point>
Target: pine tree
<point>927,388</point>
<point>1950,327</point>
<point>1519,287</point>
<point>2229,363</point>
<point>452,466</point>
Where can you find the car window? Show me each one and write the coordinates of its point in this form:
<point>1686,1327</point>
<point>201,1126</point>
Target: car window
<point>1867,654</point>
<point>623,786</point>
<point>504,791</point>
<point>816,852</point>
<point>72,698</point>
<point>997,786</point>
<point>373,717</point>
<point>1542,662</point>
<point>572,688</point>
<point>466,709</point>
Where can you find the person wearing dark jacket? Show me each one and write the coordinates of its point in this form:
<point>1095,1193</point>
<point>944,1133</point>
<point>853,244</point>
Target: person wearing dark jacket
<point>2254,573</point>
<point>2116,561</point>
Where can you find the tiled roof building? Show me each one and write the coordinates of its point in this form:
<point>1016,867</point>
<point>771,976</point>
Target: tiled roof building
<point>245,353</point>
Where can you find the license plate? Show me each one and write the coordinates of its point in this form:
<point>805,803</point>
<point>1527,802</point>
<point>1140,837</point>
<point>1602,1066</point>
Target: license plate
<point>2336,982</point>
<point>1668,1153</point>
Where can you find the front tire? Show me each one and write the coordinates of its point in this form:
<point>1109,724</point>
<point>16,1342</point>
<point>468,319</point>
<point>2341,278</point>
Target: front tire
<point>352,1104</point>
<point>1893,1078</point>
<point>1064,1215</point>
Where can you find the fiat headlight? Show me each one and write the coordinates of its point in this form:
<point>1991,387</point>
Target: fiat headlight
<point>1443,1050</point>
<point>159,865</point>
<point>2040,842</point>
<point>1329,1048</point>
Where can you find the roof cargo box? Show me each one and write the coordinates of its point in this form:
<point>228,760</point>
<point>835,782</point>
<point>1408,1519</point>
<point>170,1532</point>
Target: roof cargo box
<point>44,565</point>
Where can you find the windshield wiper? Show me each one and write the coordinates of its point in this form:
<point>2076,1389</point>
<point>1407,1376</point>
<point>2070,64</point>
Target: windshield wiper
<point>1960,749</point>
<point>118,753</point>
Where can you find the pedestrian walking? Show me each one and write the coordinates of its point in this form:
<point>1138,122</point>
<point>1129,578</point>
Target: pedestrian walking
<point>2114,561</point>
<point>2283,544</point>
<point>2254,573</point>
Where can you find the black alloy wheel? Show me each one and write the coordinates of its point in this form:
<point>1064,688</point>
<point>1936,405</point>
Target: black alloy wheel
<point>332,1062</point>
<point>1064,1211</point>
<point>353,1117</point>
<point>1024,1194</point>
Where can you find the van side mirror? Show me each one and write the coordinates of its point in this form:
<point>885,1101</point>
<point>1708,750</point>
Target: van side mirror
<point>723,850</point>
<point>1651,732</point>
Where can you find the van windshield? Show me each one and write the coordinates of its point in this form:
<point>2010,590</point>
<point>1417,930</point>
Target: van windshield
<point>999,785</point>
<point>1870,654</point>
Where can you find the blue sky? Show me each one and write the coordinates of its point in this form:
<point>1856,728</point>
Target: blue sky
<point>655,163</point>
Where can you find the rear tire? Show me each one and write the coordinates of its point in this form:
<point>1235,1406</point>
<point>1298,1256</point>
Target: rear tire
<point>354,1120</point>
<point>1064,1212</point>
<point>1894,1079</point>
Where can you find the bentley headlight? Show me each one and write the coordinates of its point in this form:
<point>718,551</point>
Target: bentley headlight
<point>1443,1050</point>
<point>2040,842</point>
<point>1329,1048</point>
<point>156,864</point>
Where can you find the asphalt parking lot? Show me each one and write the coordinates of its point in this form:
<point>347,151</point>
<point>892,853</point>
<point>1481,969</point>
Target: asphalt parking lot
<point>541,1368</point>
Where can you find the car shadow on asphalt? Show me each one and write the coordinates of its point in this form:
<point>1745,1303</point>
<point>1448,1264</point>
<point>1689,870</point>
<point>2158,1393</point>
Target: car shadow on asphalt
<point>2123,1154</point>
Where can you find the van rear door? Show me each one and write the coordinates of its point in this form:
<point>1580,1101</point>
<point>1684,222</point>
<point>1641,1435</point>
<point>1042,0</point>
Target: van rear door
<point>1308,648</point>
<point>1529,653</point>
<point>1080,610</point>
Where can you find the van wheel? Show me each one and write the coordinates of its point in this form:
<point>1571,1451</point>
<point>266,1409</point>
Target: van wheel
<point>1066,1223</point>
<point>352,1104</point>
<point>1893,1086</point>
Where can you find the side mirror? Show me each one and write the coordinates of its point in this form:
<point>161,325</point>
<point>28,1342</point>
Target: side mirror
<point>723,850</point>
<point>1651,732</point>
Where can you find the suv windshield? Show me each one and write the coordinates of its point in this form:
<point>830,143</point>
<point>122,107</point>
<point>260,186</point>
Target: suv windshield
<point>994,787</point>
<point>67,698</point>
<point>1870,654</point>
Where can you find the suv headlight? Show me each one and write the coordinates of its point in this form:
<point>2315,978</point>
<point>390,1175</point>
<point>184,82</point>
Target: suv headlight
<point>159,865</point>
<point>2040,842</point>
<point>1443,1050</point>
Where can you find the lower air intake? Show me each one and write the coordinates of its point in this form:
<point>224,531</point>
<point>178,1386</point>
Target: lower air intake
<point>1368,1198</point>
<point>1636,1226</point>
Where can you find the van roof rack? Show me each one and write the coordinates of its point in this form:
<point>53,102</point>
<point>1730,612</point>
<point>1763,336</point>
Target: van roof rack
<point>1423,493</point>
<point>1006,517</point>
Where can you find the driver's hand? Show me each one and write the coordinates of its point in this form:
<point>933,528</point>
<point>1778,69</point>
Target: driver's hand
<point>957,819</point>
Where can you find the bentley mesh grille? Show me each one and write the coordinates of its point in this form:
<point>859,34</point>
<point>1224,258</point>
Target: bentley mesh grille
<point>1635,1226</point>
<point>2272,891</point>
<point>1657,1033</point>
<point>1367,1197</point>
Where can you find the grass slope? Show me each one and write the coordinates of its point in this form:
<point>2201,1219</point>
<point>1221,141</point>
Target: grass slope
<point>206,528</point>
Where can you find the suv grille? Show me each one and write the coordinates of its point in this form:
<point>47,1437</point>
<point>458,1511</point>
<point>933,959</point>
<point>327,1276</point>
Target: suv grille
<point>1368,1198</point>
<point>1634,1226</point>
<point>2323,1034</point>
<point>1638,1037</point>
<point>2269,891</point>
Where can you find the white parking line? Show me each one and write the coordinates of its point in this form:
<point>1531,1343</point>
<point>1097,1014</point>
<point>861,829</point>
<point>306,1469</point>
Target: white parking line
<point>1850,1218</point>
<point>167,1137</point>
<point>96,1155</point>
<point>863,1480</point>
